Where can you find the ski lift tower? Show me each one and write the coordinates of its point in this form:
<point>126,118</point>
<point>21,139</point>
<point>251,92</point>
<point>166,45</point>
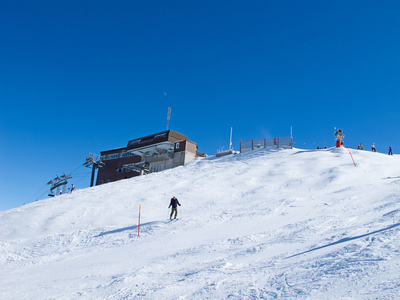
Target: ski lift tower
<point>57,182</point>
<point>93,160</point>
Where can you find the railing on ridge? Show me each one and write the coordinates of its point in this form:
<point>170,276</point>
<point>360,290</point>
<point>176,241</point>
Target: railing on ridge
<point>280,142</point>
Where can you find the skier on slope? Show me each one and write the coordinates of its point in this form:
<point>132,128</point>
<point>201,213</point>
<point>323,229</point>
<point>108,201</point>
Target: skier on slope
<point>174,203</point>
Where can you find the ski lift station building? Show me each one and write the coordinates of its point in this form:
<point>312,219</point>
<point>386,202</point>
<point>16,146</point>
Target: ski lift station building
<point>152,153</point>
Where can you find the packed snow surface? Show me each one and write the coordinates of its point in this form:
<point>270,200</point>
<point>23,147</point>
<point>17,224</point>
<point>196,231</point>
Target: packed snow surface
<point>264,224</point>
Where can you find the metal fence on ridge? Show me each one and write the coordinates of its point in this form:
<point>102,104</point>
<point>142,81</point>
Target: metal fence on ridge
<point>280,142</point>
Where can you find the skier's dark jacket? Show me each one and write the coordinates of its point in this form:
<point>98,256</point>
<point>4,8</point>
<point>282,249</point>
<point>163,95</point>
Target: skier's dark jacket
<point>174,203</point>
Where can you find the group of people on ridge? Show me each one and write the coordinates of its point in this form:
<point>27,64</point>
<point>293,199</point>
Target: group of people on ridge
<point>373,149</point>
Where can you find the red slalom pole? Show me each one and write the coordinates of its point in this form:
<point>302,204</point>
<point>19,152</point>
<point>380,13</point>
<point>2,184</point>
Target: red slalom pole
<point>351,157</point>
<point>138,232</point>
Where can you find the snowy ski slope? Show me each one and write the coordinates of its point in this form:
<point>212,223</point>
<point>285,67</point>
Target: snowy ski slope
<point>265,224</point>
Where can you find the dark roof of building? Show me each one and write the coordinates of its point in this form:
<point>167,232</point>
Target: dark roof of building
<point>168,135</point>
<point>164,136</point>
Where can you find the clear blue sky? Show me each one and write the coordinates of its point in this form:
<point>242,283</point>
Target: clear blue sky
<point>87,76</point>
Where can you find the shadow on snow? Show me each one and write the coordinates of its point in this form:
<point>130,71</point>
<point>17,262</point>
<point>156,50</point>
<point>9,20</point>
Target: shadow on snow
<point>344,240</point>
<point>135,227</point>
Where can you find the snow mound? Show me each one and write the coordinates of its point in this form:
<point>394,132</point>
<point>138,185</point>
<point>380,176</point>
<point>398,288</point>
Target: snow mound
<point>259,225</point>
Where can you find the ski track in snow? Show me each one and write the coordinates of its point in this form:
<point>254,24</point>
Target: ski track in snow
<point>266,224</point>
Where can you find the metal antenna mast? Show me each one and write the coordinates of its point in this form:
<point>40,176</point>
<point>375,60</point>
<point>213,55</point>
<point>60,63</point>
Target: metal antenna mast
<point>93,160</point>
<point>230,142</point>
<point>168,116</point>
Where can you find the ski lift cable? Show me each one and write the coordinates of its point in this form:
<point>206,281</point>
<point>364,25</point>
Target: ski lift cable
<point>75,183</point>
<point>76,169</point>
<point>37,193</point>
<point>46,185</point>
<point>81,174</point>
<point>41,195</point>
<point>82,178</point>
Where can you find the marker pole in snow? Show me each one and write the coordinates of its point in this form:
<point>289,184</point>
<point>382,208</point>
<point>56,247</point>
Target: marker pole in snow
<point>138,233</point>
<point>351,157</point>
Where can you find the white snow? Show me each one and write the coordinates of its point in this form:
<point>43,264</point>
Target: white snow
<point>265,224</point>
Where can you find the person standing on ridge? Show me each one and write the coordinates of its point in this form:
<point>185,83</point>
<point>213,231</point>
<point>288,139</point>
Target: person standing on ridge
<point>174,203</point>
<point>373,149</point>
<point>390,151</point>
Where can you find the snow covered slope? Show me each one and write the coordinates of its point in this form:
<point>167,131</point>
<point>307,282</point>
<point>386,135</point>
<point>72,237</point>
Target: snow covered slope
<point>260,225</point>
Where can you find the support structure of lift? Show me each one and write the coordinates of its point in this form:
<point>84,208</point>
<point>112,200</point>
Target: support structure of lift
<point>142,167</point>
<point>59,181</point>
<point>93,161</point>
